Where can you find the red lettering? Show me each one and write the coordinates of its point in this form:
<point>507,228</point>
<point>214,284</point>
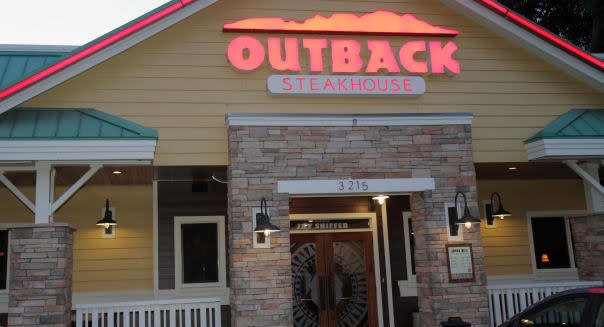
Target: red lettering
<point>235,53</point>
<point>442,57</point>
<point>345,56</point>
<point>300,80</point>
<point>341,85</point>
<point>407,85</point>
<point>407,57</point>
<point>365,84</point>
<point>328,82</point>
<point>380,85</point>
<point>291,61</point>
<point>313,84</point>
<point>286,81</point>
<point>353,84</point>
<point>398,87</point>
<point>315,53</point>
<point>381,57</point>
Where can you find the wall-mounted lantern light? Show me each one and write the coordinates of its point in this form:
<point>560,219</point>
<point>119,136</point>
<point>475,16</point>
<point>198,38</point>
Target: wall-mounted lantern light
<point>500,213</point>
<point>107,220</point>
<point>466,219</point>
<point>263,221</point>
<point>380,198</point>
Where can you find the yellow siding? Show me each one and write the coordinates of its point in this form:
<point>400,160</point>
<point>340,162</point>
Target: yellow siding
<point>180,83</point>
<point>506,247</point>
<point>124,263</point>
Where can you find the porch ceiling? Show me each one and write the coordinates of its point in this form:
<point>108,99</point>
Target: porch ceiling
<point>67,175</point>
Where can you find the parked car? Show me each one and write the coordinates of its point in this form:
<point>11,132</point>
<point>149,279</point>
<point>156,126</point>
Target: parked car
<point>573,308</point>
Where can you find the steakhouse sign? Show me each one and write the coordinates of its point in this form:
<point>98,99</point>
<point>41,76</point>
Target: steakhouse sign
<point>246,53</point>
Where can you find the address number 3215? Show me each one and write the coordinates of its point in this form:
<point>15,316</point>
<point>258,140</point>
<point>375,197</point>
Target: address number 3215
<point>352,186</point>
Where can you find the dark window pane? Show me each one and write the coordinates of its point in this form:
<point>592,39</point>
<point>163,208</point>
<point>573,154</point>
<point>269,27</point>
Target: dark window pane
<point>199,253</point>
<point>551,246</point>
<point>411,245</point>
<point>562,313</point>
<point>3,258</point>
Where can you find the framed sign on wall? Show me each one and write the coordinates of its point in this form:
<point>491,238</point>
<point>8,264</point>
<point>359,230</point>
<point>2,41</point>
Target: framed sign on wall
<point>460,263</point>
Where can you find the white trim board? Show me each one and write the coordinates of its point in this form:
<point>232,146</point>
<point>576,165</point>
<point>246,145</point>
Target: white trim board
<point>332,186</point>
<point>102,55</point>
<point>565,148</point>
<point>234,119</point>
<point>78,150</point>
<point>530,42</point>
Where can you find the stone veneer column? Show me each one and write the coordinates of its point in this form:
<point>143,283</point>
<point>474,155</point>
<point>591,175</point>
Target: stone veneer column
<point>588,236</point>
<point>260,156</point>
<point>40,274</point>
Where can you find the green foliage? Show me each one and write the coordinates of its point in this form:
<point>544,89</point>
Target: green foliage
<point>569,19</point>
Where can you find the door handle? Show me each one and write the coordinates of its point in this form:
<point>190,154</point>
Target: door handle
<point>322,293</point>
<point>332,295</point>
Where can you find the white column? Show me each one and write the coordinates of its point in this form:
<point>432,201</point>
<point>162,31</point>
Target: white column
<point>593,199</point>
<point>44,185</point>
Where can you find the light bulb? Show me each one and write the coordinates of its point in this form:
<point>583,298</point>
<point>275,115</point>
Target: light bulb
<point>468,225</point>
<point>267,232</point>
<point>106,226</point>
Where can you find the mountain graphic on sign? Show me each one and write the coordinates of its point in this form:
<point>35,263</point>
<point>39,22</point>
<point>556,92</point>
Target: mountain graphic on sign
<point>376,23</point>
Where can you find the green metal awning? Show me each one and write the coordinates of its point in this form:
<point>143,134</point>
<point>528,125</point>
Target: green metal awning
<point>577,135</point>
<point>17,65</point>
<point>577,123</point>
<point>69,124</point>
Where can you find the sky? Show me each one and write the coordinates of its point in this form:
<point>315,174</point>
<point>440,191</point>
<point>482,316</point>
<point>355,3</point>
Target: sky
<point>66,22</point>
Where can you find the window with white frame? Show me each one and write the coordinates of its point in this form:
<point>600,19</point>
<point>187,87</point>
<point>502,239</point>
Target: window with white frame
<point>200,254</point>
<point>551,243</point>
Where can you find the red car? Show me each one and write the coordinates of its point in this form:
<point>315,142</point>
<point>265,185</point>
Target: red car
<point>573,308</point>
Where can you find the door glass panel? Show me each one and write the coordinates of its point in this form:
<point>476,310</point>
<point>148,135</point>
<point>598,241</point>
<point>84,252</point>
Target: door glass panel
<point>304,284</point>
<point>350,284</point>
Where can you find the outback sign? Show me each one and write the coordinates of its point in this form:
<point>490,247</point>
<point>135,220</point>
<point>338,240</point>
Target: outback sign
<point>246,53</point>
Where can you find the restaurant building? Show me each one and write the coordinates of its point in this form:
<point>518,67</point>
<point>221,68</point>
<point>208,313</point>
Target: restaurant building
<point>299,163</point>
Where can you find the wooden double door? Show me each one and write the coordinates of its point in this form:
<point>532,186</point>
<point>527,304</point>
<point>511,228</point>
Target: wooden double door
<point>333,281</point>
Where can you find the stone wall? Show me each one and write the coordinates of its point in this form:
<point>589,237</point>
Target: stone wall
<point>588,236</point>
<point>259,156</point>
<point>40,275</point>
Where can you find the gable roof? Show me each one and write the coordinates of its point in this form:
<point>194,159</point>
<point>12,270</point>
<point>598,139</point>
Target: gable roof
<point>575,124</point>
<point>562,54</point>
<point>17,65</point>
<point>98,50</point>
<point>28,124</point>
<point>533,38</point>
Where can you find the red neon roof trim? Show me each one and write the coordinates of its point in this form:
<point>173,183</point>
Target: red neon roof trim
<point>93,48</point>
<point>536,29</point>
<point>380,22</point>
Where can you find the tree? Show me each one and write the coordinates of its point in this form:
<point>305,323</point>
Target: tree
<point>574,20</point>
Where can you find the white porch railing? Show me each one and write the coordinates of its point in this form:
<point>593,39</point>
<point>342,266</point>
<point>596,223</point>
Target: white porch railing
<point>507,300</point>
<point>203,312</point>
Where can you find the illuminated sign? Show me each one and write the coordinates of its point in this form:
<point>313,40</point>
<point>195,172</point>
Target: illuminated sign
<point>380,22</point>
<point>341,56</point>
<point>345,85</point>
